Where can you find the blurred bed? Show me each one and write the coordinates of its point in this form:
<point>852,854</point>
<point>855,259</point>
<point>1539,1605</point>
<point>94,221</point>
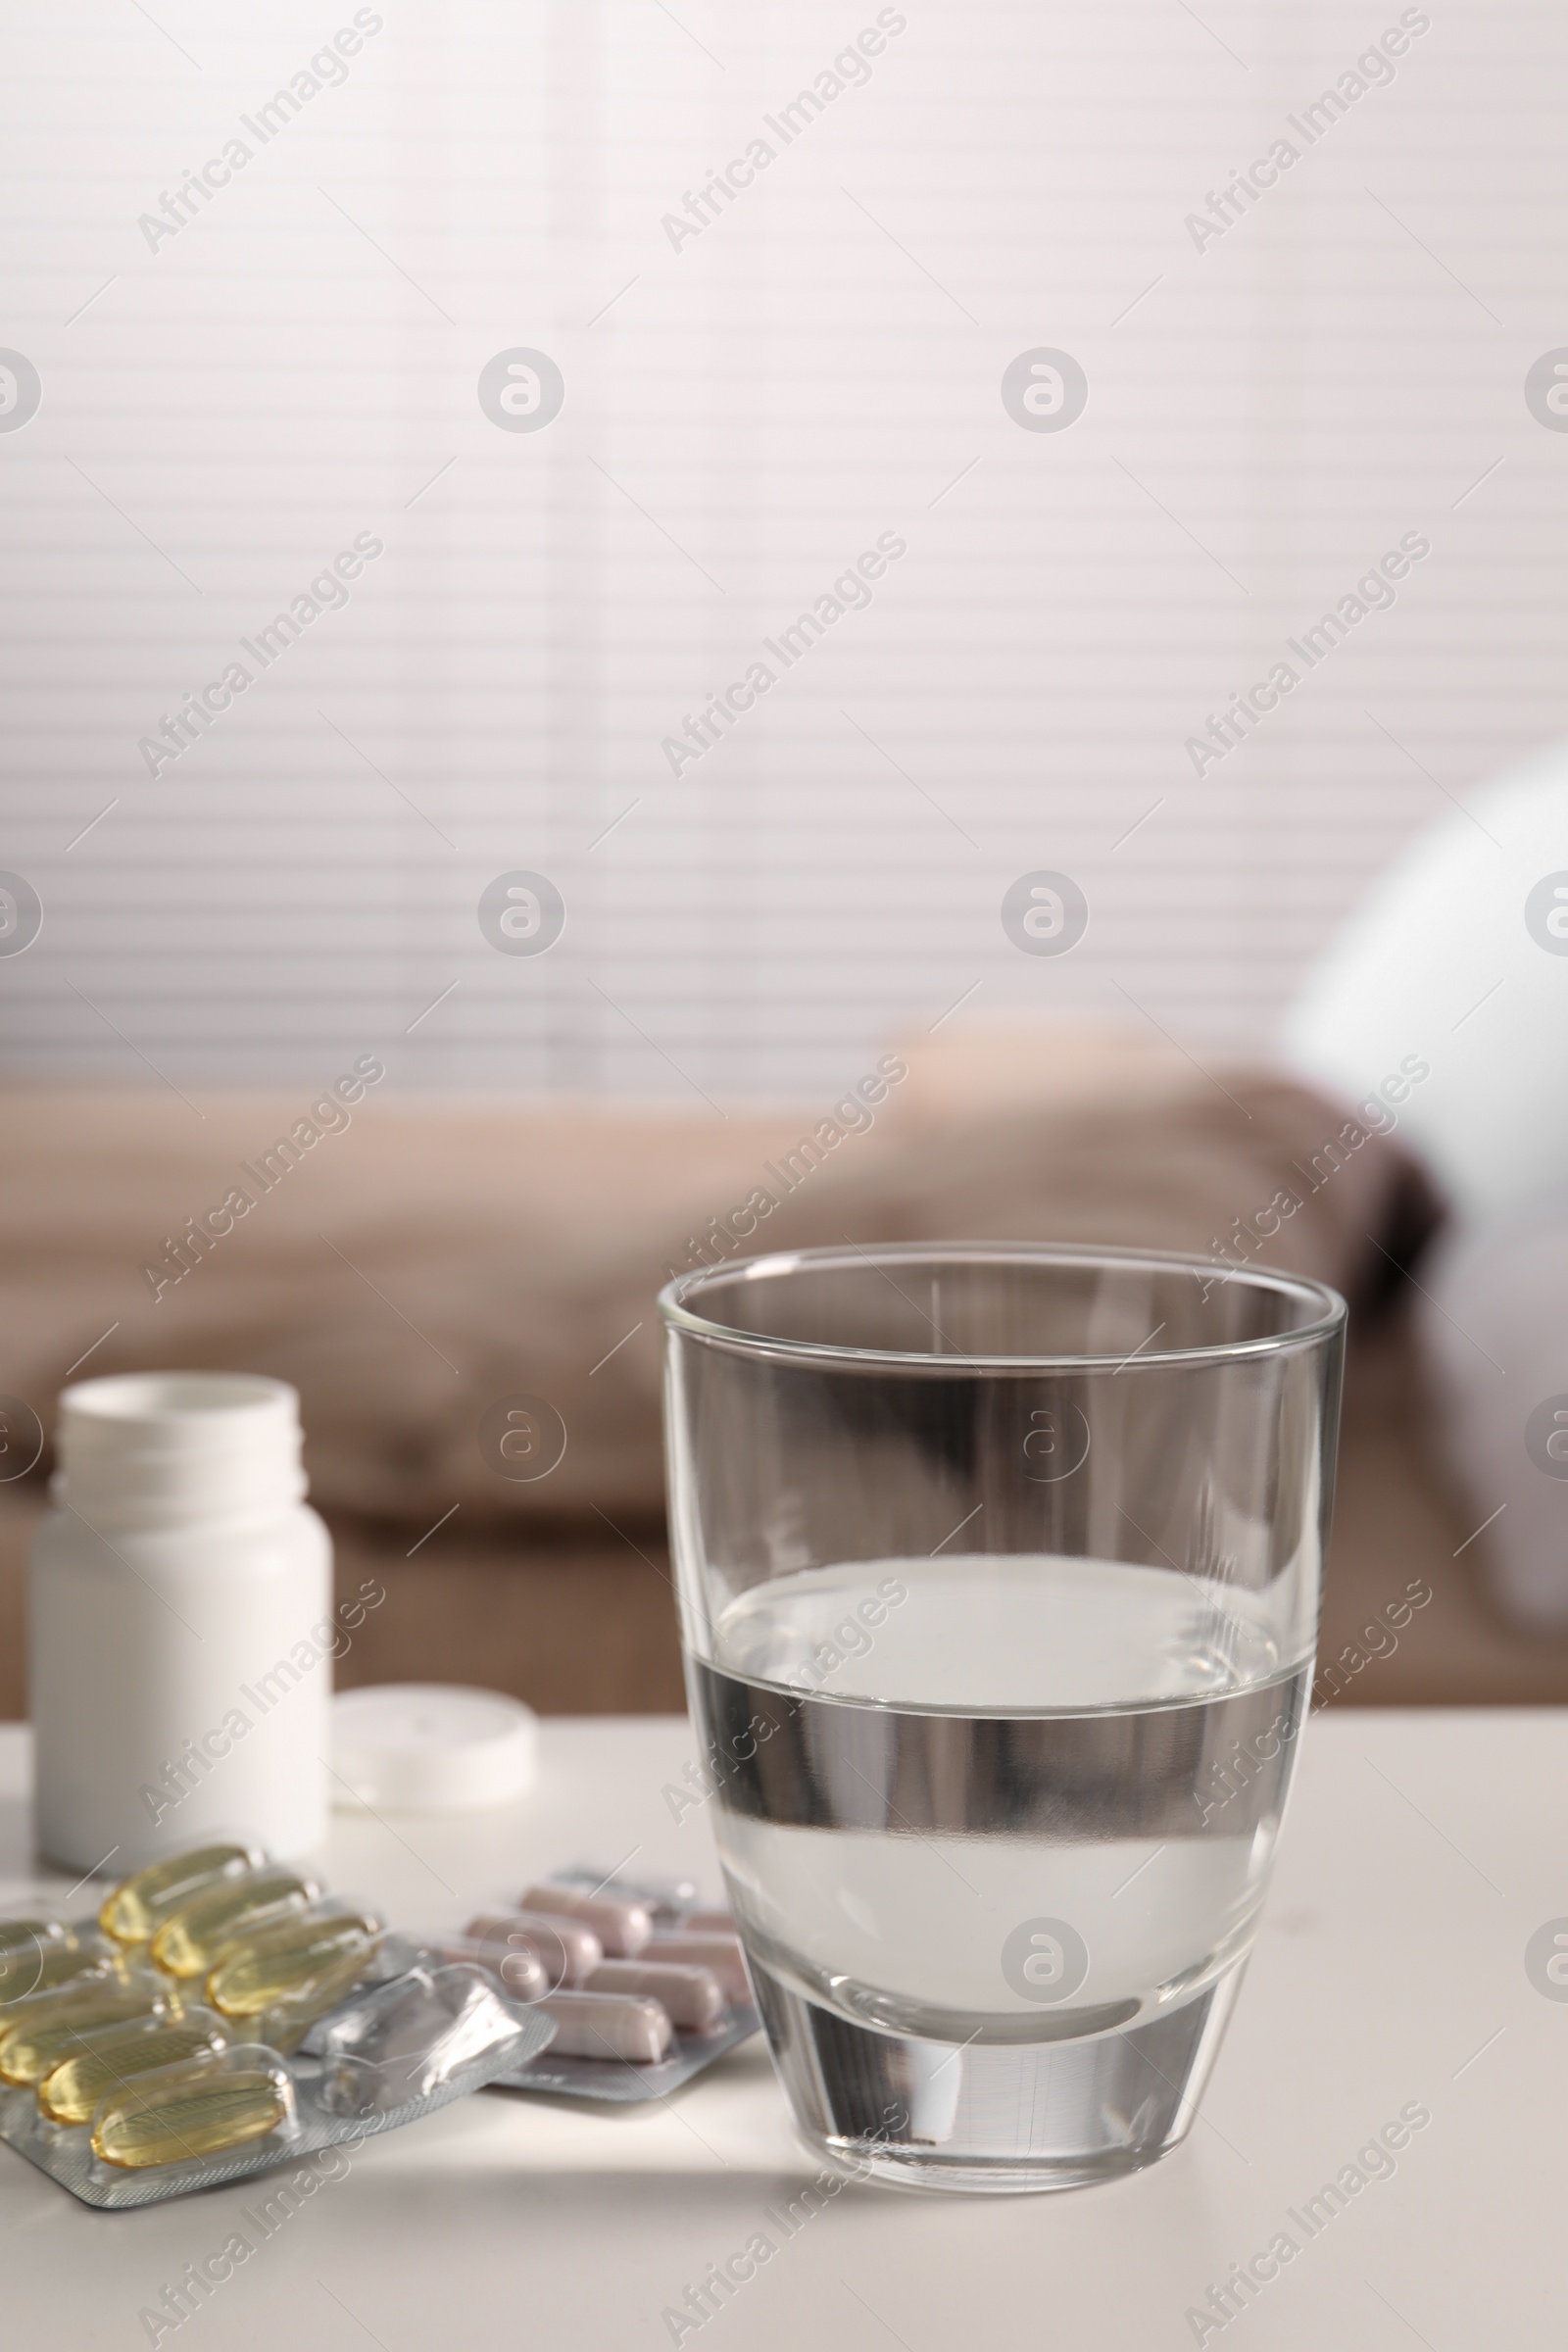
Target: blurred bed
<point>411,1265</point>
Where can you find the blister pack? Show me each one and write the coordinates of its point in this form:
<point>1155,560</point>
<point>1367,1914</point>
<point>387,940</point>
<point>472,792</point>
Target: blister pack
<point>223,2014</point>
<point>644,1988</point>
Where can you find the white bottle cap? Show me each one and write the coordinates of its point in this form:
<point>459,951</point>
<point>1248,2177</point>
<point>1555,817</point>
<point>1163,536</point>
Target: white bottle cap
<point>432,1748</point>
<point>164,1448</point>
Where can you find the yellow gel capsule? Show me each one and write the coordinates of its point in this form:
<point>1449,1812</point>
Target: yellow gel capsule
<point>23,1943</point>
<point>16,1933</point>
<point>294,1963</point>
<point>42,1968</point>
<point>286,2023</point>
<point>189,1943</point>
<point>138,1907</point>
<point>53,2024</point>
<point>197,2111</point>
<point>69,2093</point>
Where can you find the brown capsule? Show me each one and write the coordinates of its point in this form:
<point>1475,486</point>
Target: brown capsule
<point>607,2024</point>
<point>667,1900</point>
<point>622,1926</point>
<point>520,1970</point>
<point>200,2109</point>
<point>135,1910</point>
<point>565,1949</point>
<point>693,1997</point>
<point>721,1953</point>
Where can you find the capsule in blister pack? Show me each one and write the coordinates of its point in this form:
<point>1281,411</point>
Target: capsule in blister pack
<point>107,2057</point>
<point>23,1943</point>
<point>692,1997</point>
<point>139,1906</point>
<point>200,2107</point>
<point>190,1942</point>
<point>622,1924</point>
<point>281,1978</point>
<point>36,2034</point>
<point>639,2005</point>
<point>520,1970</point>
<point>664,1900</point>
<point>608,2026</point>
<point>275,2023</point>
<point>722,1954</point>
<point>19,1934</point>
<point>565,1949</point>
<point>674,1906</point>
<point>60,1955</point>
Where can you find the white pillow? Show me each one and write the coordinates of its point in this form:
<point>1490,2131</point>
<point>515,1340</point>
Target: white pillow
<point>1458,959</point>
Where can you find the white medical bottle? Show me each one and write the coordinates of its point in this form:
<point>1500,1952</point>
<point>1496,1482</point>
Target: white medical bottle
<point>181,1630</point>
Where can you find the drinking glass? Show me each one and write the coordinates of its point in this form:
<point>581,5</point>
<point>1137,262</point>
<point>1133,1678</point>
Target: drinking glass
<point>999,1572</point>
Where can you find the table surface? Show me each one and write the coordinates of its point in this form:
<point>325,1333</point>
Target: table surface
<point>1422,1852</point>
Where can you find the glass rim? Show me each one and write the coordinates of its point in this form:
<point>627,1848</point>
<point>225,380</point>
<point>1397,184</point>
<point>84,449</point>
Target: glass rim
<point>1328,1309</point>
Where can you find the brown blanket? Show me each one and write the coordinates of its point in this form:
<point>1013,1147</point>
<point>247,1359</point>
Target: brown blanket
<point>411,1262</point>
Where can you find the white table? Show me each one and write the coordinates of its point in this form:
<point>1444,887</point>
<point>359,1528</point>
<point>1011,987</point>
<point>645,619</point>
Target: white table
<point>1422,1851</point>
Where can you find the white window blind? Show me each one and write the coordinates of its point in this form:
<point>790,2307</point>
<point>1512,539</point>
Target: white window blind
<point>763,381</point>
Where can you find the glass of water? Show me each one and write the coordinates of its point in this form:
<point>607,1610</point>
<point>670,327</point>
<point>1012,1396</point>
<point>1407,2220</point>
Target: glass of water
<point>999,1572</point>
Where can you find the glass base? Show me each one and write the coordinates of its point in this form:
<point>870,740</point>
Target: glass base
<point>992,2118</point>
